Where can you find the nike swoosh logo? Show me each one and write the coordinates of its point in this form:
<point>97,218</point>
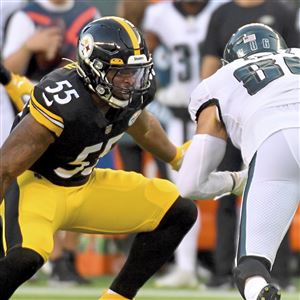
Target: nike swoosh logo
<point>47,101</point>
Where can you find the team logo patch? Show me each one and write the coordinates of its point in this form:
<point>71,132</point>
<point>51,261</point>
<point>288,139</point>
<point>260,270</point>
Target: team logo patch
<point>134,117</point>
<point>86,46</point>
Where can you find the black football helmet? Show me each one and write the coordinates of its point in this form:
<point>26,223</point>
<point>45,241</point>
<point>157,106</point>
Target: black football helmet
<point>113,60</point>
<point>250,39</point>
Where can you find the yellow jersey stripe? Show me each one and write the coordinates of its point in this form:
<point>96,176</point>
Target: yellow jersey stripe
<point>43,120</point>
<point>2,210</point>
<point>131,34</point>
<point>51,121</point>
<point>47,112</point>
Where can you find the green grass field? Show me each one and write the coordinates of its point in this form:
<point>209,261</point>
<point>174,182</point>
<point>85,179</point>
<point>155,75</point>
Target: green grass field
<point>41,291</point>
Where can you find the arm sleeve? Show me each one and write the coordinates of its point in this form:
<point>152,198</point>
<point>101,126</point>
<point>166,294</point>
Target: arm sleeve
<point>197,179</point>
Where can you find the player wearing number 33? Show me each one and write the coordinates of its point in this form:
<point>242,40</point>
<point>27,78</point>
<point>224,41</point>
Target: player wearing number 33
<point>48,181</point>
<point>254,100</point>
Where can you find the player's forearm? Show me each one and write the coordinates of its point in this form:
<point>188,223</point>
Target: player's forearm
<point>156,141</point>
<point>148,133</point>
<point>5,181</point>
<point>215,185</point>
<point>195,179</point>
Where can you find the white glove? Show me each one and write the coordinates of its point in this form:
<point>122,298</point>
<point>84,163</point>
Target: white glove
<point>239,181</point>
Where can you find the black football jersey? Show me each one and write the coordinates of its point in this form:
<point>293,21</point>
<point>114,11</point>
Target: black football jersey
<point>63,104</point>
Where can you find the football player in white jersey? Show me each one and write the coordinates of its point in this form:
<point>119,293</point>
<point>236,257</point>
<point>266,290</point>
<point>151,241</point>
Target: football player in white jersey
<point>254,100</point>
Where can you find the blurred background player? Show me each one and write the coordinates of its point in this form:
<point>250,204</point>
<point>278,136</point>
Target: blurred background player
<point>221,27</point>
<point>180,26</point>
<point>49,32</point>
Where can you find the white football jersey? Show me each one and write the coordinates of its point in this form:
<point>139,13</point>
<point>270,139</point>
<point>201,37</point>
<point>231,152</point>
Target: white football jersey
<point>182,35</point>
<point>256,97</point>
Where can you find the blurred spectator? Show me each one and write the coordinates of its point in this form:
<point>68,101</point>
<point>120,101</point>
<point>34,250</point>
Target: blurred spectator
<point>49,32</point>
<point>221,27</point>
<point>181,27</point>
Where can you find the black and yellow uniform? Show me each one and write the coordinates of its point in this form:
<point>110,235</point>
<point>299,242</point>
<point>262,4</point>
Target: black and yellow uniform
<point>62,190</point>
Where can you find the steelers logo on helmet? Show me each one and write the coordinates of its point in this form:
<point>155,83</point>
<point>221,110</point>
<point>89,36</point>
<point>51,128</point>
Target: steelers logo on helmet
<point>86,46</point>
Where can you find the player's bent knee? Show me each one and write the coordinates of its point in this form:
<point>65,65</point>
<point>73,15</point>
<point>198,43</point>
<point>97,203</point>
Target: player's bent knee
<point>183,213</point>
<point>249,266</point>
<point>21,263</point>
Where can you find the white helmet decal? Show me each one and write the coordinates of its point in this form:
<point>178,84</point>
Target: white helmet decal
<point>86,46</point>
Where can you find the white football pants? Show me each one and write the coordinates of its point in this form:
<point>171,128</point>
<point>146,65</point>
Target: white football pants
<point>271,196</point>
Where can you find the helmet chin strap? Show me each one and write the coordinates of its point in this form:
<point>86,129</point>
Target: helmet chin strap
<point>114,102</point>
<point>108,97</point>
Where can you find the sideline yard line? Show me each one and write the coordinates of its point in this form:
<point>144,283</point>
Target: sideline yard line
<point>145,292</point>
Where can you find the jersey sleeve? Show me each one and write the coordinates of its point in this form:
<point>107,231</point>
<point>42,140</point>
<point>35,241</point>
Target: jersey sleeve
<point>44,110</point>
<point>200,98</point>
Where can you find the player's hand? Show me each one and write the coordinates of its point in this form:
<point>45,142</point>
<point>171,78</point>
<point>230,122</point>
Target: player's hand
<point>45,40</point>
<point>239,181</point>
<point>180,151</point>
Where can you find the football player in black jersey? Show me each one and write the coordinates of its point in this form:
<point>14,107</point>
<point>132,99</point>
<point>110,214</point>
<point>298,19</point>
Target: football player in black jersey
<point>48,180</point>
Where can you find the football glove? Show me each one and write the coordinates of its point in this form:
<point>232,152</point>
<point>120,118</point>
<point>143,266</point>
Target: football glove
<point>239,181</point>
<point>18,87</point>
<point>180,151</point>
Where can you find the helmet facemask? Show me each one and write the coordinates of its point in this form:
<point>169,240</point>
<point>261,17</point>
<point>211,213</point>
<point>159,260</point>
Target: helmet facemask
<point>117,84</point>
